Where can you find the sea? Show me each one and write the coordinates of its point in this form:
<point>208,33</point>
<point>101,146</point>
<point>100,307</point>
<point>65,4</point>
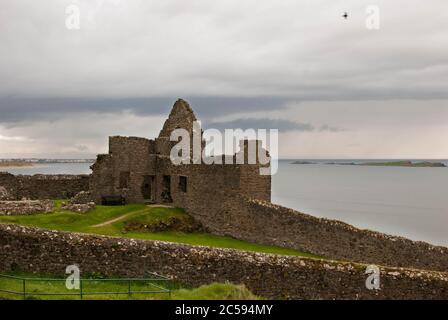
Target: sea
<point>405,201</point>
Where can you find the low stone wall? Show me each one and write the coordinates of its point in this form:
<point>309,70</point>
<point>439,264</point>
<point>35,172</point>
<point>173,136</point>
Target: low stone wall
<point>27,207</point>
<point>36,250</point>
<point>39,186</point>
<point>81,203</point>
<point>79,207</point>
<point>266,223</point>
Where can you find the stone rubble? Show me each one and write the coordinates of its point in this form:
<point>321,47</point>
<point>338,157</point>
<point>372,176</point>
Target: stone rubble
<point>5,194</point>
<point>82,203</point>
<point>25,207</point>
<point>79,207</point>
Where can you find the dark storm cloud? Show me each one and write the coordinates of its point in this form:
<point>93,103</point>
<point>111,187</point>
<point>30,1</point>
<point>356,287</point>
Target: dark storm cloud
<point>14,110</point>
<point>261,123</point>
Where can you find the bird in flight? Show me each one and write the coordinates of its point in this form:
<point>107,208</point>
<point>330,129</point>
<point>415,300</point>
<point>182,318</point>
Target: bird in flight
<point>345,15</point>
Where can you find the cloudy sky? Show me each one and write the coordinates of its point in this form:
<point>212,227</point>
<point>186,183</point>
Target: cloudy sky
<point>334,88</point>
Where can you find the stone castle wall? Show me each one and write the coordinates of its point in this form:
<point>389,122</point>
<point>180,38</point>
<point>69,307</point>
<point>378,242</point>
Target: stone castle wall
<point>39,186</point>
<point>213,182</point>
<point>129,157</point>
<point>122,172</point>
<point>36,250</point>
<point>265,223</point>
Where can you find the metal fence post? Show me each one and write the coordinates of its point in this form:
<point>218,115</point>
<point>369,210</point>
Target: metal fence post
<point>80,287</point>
<point>129,288</point>
<point>24,289</point>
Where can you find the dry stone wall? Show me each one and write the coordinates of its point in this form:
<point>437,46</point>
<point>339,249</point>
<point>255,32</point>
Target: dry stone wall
<point>267,223</point>
<point>36,250</point>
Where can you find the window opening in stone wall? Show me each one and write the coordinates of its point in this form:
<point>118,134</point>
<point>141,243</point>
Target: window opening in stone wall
<point>147,187</point>
<point>124,179</point>
<point>166,189</point>
<point>183,184</point>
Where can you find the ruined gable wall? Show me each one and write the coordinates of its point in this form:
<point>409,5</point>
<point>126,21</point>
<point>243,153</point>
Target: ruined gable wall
<point>181,116</point>
<point>222,180</point>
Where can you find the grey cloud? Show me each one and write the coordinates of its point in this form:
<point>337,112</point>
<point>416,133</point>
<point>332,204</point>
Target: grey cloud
<point>329,128</point>
<point>16,109</point>
<point>261,123</point>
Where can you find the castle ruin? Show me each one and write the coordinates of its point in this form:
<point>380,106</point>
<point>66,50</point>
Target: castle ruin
<point>139,170</point>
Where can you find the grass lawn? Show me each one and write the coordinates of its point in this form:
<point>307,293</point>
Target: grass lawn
<point>214,291</point>
<point>87,223</point>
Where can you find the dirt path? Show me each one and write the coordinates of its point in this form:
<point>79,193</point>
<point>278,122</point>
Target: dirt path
<point>129,214</point>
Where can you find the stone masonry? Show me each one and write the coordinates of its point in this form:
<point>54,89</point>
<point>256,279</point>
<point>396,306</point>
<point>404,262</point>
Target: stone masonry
<point>39,186</point>
<point>25,207</point>
<point>272,276</point>
<point>266,223</point>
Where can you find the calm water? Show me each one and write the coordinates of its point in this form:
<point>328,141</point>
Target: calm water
<point>52,168</point>
<point>412,202</point>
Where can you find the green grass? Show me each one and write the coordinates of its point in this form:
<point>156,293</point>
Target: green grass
<point>214,291</point>
<point>69,221</point>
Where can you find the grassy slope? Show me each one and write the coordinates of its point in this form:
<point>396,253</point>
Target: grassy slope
<point>69,221</point>
<point>214,291</point>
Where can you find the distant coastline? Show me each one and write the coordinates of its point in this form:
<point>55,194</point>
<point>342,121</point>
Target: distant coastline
<point>403,163</point>
<point>32,165</point>
<point>15,164</point>
<point>407,164</point>
<point>45,161</point>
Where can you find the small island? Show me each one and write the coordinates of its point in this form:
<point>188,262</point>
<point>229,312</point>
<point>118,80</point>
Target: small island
<point>406,163</point>
<point>401,163</point>
<point>302,162</point>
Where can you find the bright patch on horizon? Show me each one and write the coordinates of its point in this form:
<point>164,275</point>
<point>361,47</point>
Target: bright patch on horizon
<point>18,139</point>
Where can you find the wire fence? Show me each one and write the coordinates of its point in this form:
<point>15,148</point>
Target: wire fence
<point>28,287</point>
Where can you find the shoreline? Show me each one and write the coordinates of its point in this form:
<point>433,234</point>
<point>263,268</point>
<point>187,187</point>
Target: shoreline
<point>16,165</point>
